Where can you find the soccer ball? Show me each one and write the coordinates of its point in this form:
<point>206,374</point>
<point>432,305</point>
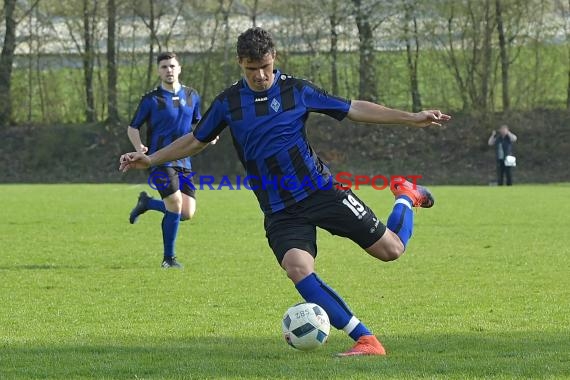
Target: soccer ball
<point>306,326</point>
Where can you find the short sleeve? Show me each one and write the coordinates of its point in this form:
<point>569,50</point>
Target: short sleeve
<point>212,124</point>
<point>142,113</point>
<point>197,116</point>
<point>318,100</point>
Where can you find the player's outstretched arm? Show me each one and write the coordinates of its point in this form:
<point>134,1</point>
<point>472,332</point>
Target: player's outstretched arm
<point>367,112</point>
<point>184,146</point>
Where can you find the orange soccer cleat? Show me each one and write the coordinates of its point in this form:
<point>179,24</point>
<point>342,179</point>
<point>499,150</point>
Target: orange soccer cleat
<point>420,196</point>
<point>365,345</point>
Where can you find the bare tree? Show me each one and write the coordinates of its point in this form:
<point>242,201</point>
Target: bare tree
<point>251,9</point>
<point>469,51</point>
<point>336,12</point>
<point>563,8</point>
<point>304,19</point>
<point>113,112</point>
<point>482,99</point>
<point>89,57</point>
<point>333,26</point>
<point>367,66</point>
<point>225,10</point>
<point>369,15</point>
<point>212,34</point>
<point>9,10</point>
<point>504,55</point>
<point>412,54</point>
<point>152,14</point>
<point>567,27</point>
<point>6,62</point>
<point>452,60</point>
<point>151,24</point>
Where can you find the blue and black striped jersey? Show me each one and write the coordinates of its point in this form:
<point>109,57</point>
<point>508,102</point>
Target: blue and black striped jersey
<point>268,130</point>
<point>168,116</point>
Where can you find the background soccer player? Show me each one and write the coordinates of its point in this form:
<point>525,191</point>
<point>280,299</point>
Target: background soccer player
<point>266,112</point>
<point>169,112</point>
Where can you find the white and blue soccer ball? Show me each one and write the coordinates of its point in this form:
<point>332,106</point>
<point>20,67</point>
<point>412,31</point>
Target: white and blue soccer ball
<point>306,326</point>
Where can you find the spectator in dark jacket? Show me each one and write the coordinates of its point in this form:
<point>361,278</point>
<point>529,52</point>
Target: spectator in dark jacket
<point>503,140</point>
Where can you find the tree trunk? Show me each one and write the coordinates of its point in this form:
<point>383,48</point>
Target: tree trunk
<point>487,58</point>
<point>504,55</point>
<point>568,48</point>
<point>151,66</point>
<point>333,22</point>
<point>454,64</point>
<point>412,57</point>
<point>6,61</point>
<point>88,62</point>
<point>113,113</point>
<point>254,9</point>
<point>227,43</point>
<point>31,43</point>
<point>568,86</point>
<point>367,67</point>
<point>209,57</point>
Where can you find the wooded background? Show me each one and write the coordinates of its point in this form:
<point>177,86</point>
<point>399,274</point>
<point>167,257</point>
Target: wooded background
<point>86,63</point>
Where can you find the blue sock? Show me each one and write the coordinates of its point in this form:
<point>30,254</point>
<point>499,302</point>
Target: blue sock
<point>401,220</point>
<point>170,224</point>
<point>314,290</point>
<point>156,204</point>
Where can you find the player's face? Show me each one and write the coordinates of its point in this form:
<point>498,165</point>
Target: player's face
<point>258,73</point>
<point>168,71</point>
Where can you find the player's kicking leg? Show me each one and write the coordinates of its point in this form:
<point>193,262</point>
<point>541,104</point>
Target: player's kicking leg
<point>292,237</point>
<point>348,216</point>
<point>299,266</point>
<point>393,242</point>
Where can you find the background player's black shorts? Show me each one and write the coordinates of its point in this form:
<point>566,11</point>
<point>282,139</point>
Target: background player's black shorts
<point>338,211</point>
<point>166,180</point>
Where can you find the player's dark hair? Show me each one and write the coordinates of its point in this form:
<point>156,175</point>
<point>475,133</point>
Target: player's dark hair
<point>254,44</point>
<point>166,55</point>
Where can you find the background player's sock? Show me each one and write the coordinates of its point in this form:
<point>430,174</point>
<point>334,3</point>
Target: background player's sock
<point>401,220</point>
<point>314,290</point>
<point>170,223</point>
<point>156,204</point>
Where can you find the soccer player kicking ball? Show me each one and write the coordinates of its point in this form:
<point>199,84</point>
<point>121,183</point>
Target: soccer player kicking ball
<point>266,113</point>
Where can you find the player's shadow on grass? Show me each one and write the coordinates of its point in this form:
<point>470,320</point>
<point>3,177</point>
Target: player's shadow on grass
<point>459,355</point>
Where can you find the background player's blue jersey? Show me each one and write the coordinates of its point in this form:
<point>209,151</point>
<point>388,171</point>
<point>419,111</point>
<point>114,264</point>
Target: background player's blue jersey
<point>268,129</point>
<point>168,116</point>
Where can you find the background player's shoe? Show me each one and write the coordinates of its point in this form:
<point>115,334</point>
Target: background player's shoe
<point>365,345</point>
<point>420,196</point>
<point>140,208</point>
<point>171,263</point>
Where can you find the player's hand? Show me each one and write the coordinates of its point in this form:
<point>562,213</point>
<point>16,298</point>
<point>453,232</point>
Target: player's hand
<point>133,160</point>
<point>142,149</point>
<point>430,117</point>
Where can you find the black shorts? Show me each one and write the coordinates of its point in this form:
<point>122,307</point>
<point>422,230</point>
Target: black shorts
<point>166,180</point>
<point>338,211</point>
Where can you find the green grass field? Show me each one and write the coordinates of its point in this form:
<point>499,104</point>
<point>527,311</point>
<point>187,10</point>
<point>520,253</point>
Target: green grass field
<point>482,292</point>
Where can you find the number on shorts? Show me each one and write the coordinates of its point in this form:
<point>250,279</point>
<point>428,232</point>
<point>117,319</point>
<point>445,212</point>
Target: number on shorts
<point>355,206</point>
